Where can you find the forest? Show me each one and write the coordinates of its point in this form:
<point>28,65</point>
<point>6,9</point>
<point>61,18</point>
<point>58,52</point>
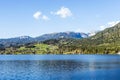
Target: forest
<point>104,42</point>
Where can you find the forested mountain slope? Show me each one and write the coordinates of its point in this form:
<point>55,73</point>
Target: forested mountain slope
<point>104,42</point>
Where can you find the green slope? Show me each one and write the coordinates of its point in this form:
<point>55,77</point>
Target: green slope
<point>104,42</point>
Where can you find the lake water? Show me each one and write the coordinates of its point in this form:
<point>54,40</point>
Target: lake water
<point>59,67</point>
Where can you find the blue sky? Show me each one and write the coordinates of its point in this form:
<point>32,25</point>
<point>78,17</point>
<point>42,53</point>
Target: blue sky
<point>37,17</point>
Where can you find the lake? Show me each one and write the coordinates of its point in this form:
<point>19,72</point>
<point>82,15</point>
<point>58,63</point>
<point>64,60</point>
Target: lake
<point>59,67</point>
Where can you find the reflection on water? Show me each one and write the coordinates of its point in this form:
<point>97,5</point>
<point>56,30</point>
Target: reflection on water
<point>59,70</point>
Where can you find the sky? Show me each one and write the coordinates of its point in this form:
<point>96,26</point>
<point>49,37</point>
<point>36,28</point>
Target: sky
<point>36,17</point>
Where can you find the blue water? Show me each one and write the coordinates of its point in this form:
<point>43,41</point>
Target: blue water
<point>59,67</point>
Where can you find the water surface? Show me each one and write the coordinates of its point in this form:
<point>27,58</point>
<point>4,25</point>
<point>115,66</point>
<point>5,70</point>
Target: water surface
<point>59,67</point>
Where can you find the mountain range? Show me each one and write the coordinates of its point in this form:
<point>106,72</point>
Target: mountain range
<point>27,39</point>
<point>102,42</point>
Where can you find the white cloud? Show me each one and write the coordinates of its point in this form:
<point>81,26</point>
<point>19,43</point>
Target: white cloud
<point>102,27</point>
<point>113,23</point>
<point>109,24</point>
<point>63,12</point>
<point>37,15</point>
<point>44,17</point>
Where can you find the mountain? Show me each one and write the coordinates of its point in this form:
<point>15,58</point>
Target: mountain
<point>102,42</point>
<point>92,33</point>
<point>109,35</point>
<point>17,41</point>
<point>75,35</point>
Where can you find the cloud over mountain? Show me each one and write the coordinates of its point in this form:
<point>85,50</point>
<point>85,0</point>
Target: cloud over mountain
<point>109,24</point>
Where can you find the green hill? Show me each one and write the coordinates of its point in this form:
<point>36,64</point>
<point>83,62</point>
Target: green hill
<point>109,35</point>
<point>104,42</point>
